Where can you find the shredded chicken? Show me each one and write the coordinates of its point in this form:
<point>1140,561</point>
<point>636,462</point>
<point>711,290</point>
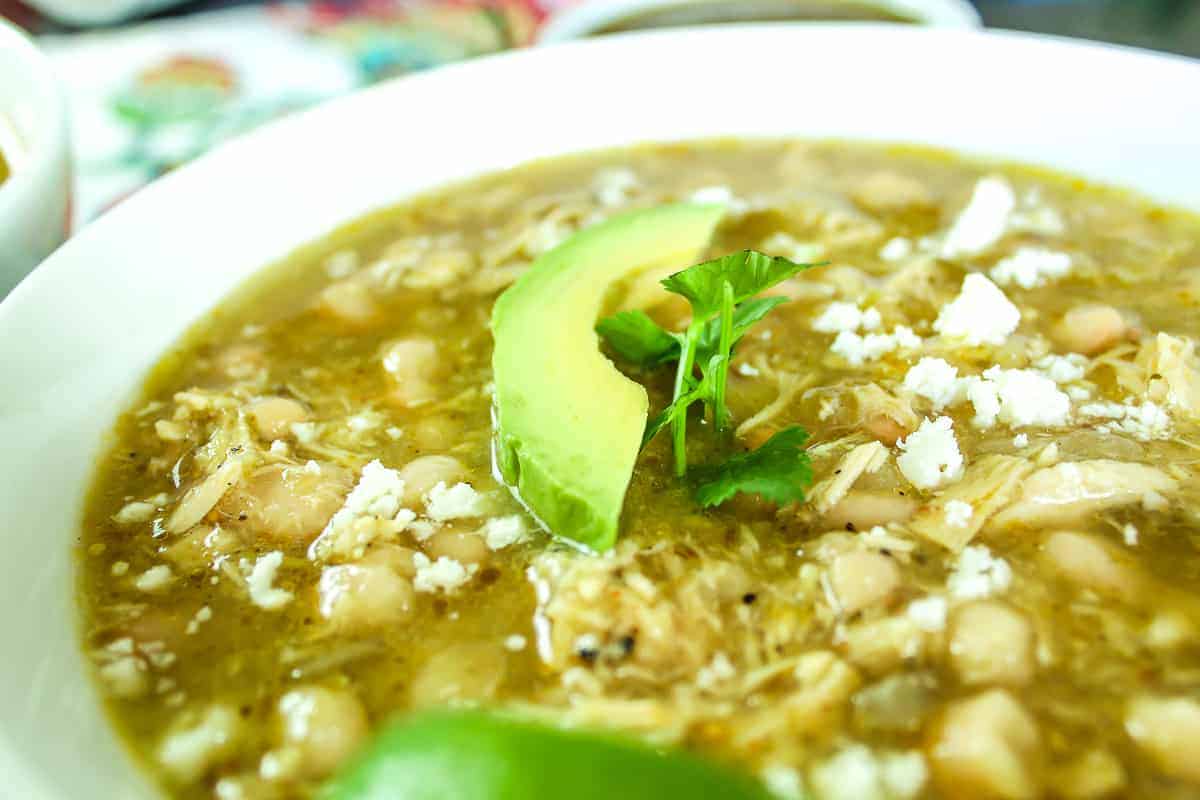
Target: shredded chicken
<point>1066,492</point>
<point>829,492</point>
<point>988,485</point>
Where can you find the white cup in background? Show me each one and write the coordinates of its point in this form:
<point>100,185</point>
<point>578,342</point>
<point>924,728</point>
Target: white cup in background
<point>592,17</point>
<point>35,197</point>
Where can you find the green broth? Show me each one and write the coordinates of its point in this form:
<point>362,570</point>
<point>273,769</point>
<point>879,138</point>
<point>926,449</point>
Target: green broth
<point>711,629</point>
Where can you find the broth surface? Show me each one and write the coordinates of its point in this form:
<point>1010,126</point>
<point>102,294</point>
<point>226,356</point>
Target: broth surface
<point>1020,624</point>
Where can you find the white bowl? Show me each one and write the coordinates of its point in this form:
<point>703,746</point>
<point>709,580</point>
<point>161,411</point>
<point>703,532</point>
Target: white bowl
<point>77,337</point>
<point>33,138</point>
<point>588,18</point>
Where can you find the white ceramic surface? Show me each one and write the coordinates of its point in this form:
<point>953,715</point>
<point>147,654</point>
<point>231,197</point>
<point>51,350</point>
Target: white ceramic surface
<point>585,19</point>
<point>33,136</point>
<point>78,335</point>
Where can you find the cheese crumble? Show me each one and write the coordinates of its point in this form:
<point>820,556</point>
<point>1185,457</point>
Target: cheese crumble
<point>454,502</point>
<point>977,573</point>
<point>1030,267</point>
<point>980,314</point>
<point>445,574</point>
<point>928,613</point>
<point>500,532</point>
<point>930,456</point>
<point>260,582</point>
<point>958,513</point>
<point>983,221</point>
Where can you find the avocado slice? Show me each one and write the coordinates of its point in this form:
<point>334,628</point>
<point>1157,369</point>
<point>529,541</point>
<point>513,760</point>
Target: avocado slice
<point>473,755</point>
<point>568,423</point>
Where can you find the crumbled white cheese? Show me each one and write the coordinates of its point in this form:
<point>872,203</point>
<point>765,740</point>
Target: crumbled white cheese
<point>978,574</point>
<point>460,500</point>
<point>260,582</point>
<point>838,317</point>
<point>858,349</point>
<point>1062,369</point>
<point>1030,266</point>
<point>155,579</point>
<point>930,456</point>
<point>445,573</point>
<point>137,511</point>
<point>279,448</point>
<point>1145,421</point>
<point>514,643</point>
<point>896,249</point>
<point>958,513</point>
<point>1130,534</point>
<point>980,314</point>
<point>983,221</point>
<point>1025,397</point>
<point>936,380</point>
<point>1021,440</point>
<point>613,186</point>
<point>928,613</point>
<point>376,496</point>
<point>500,532</point>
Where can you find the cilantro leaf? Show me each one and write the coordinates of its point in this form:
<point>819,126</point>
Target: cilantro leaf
<point>748,272</point>
<point>778,471</point>
<point>744,318</point>
<point>638,339</point>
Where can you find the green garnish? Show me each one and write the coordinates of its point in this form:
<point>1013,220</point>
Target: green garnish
<point>721,293</point>
<point>773,471</point>
<point>470,755</point>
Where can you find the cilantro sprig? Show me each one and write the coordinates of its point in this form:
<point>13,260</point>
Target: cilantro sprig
<point>722,293</point>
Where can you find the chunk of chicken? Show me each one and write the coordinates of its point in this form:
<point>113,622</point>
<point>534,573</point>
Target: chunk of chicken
<point>1090,329</point>
<point>201,548</point>
<point>1168,730</point>
<point>987,747</point>
<point>1067,492</point>
<point>882,645</point>
<point>1172,373</point>
<point>288,504</point>
<point>883,415</point>
<point>987,486</point>
<point>829,492</point>
<point>204,496</point>
<point>991,642</point>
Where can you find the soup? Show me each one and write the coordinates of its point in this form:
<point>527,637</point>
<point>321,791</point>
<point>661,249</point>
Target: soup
<point>4,171</point>
<point>298,532</point>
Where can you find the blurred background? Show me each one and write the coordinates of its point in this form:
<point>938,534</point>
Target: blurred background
<point>154,83</point>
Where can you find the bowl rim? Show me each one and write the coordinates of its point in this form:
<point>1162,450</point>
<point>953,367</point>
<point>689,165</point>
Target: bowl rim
<point>44,302</point>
